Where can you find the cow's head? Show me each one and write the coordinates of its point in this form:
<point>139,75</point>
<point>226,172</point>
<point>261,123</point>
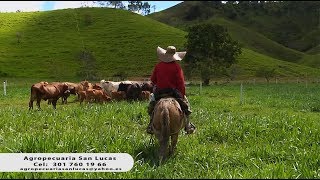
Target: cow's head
<point>65,87</point>
<point>72,89</point>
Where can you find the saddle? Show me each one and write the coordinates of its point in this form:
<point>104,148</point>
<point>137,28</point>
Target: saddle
<point>174,93</point>
<point>167,92</point>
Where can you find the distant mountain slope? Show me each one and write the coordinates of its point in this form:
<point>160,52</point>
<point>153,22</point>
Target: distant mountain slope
<point>311,60</point>
<point>315,50</point>
<point>293,26</point>
<point>257,42</point>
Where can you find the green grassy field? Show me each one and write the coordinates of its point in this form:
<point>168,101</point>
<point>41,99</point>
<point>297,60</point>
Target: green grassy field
<point>273,133</point>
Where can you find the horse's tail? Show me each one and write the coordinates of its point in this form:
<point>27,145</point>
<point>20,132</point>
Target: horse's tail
<point>165,124</point>
<point>165,132</point>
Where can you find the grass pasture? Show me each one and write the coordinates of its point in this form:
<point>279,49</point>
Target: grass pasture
<point>274,133</point>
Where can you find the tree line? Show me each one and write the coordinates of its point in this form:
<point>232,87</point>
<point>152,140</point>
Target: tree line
<point>134,6</point>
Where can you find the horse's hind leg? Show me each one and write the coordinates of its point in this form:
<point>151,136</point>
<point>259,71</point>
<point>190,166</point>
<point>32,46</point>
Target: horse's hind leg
<point>164,142</point>
<point>174,140</point>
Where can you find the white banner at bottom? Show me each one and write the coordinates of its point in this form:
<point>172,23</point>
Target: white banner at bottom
<point>65,162</point>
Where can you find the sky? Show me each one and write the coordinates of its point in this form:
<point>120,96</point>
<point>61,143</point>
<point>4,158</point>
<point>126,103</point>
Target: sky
<point>27,6</point>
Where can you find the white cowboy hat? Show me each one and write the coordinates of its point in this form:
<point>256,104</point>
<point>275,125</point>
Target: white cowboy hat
<point>170,54</point>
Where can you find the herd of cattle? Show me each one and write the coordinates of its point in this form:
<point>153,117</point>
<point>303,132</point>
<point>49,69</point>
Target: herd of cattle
<point>90,92</point>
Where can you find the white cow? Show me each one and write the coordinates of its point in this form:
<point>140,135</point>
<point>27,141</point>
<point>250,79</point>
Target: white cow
<point>109,86</point>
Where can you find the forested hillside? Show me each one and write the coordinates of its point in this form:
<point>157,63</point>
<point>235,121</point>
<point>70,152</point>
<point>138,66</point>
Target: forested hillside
<point>286,30</point>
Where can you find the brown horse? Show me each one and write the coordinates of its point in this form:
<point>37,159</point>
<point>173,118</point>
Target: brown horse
<point>168,120</point>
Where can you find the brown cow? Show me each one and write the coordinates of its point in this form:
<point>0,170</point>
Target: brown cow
<point>96,86</point>
<point>82,96</point>
<point>94,95</point>
<point>71,90</point>
<point>145,95</point>
<point>34,92</point>
<point>86,85</point>
<point>97,95</point>
<point>45,91</point>
<point>83,86</point>
<point>147,86</point>
<point>64,97</point>
<point>118,95</point>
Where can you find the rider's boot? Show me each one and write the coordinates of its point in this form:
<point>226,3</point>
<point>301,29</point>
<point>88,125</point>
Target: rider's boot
<point>185,106</point>
<point>189,127</point>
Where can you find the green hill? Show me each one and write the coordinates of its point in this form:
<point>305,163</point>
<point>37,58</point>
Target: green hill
<point>52,42</point>
<point>311,60</point>
<point>257,42</point>
<point>250,62</point>
<point>106,43</point>
<point>315,50</point>
<point>283,30</point>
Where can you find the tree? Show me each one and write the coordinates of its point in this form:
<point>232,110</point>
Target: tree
<point>230,10</point>
<point>134,6</point>
<point>210,50</point>
<point>154,8</point>
<point>146,8</point>
<point>266,73</point>
<point>115,4</point>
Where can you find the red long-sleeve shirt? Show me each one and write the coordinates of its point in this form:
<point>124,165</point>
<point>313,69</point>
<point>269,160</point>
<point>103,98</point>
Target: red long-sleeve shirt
<point>168,75</point>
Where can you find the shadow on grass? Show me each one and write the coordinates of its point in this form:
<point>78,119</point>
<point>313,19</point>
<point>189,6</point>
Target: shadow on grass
<point>148,152</point>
